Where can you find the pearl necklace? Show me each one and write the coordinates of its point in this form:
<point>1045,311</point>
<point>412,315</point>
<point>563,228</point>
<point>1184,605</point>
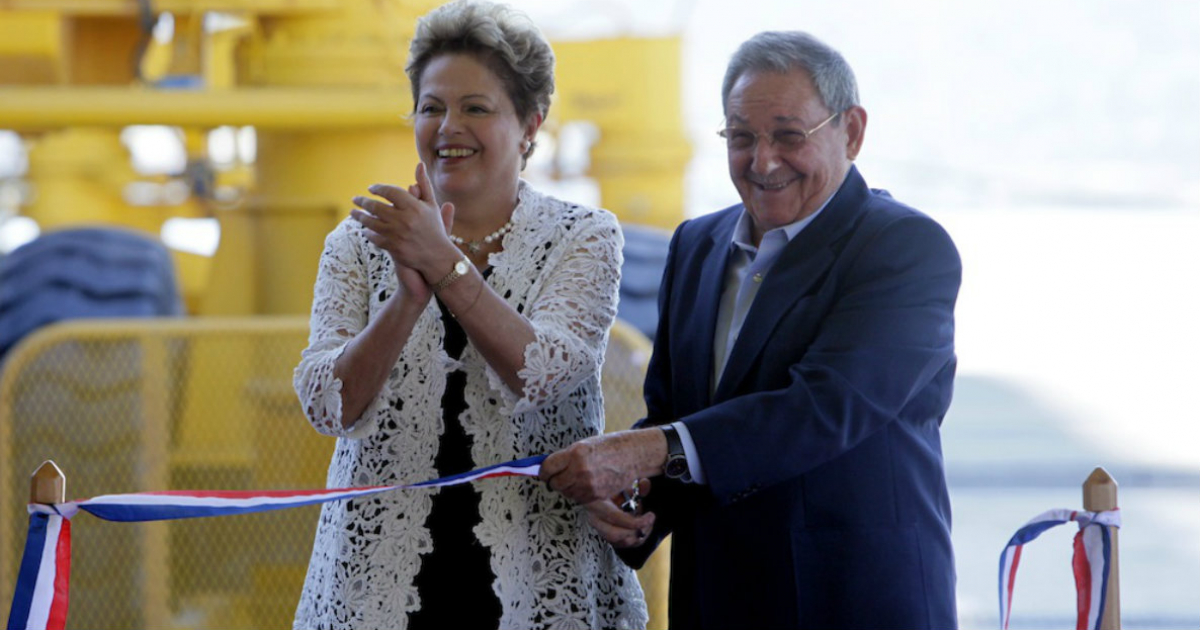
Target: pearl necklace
<point>475,246</point>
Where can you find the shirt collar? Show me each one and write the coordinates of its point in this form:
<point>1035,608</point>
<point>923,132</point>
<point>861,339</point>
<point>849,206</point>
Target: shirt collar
<point>742,235</point>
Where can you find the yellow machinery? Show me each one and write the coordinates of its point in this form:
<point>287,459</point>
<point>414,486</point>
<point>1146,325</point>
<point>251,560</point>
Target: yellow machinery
<point>322,83</point>
<point>129,406</point>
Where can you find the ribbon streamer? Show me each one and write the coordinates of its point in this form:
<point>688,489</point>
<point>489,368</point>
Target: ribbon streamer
<point>1090,561</point>
<point>41,596</point>
<point>40,599</point>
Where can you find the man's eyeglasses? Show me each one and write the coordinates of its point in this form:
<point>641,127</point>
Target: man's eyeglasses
<point>785,139</point>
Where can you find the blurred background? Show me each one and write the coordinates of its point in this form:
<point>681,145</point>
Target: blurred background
<point>1058,141</point>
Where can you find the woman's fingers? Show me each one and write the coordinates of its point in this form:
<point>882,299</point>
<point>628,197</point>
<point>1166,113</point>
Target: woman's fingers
<point>406,222</point>
<point>424,185</point>
<point>367,219</point>
<point>394,194</point>
<point>393,200</point>
<point>376,214</point>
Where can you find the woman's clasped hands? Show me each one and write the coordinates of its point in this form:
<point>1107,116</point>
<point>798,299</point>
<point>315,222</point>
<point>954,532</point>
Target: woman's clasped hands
<point>412,228</point>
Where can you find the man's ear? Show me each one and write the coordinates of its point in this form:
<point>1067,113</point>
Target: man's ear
<point>855,120</point>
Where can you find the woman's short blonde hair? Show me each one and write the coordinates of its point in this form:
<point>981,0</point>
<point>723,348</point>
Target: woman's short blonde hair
<point>502,38</point>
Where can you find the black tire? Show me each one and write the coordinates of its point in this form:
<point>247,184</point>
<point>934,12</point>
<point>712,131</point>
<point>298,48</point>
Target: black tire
<point>645,255</point>
<point>84,272</point>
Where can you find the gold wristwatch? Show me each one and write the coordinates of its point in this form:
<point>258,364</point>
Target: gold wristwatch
<point>460,269</point>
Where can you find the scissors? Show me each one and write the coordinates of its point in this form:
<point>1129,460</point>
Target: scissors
<point>633,498</point>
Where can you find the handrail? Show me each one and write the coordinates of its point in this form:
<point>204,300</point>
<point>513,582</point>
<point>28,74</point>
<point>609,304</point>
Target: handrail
<point>288,108</point>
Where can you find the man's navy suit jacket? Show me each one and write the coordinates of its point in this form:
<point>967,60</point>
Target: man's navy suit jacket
<point>826,502</point>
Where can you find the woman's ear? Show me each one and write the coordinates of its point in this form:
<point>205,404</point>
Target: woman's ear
<point>531,129</point>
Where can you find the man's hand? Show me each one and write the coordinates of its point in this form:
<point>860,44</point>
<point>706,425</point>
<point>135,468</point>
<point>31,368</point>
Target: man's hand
<point>600,467</point>
<point>619,527</point>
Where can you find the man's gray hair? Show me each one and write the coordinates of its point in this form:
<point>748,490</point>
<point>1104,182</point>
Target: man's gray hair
<point>784,51</point>
<point>500,37</point>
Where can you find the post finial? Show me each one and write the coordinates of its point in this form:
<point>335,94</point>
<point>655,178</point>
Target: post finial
<point>48,484</point>
<point>1099,491</point>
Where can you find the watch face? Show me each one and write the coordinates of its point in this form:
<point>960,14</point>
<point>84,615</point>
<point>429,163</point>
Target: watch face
<point>460,267</point>
<point>676,467</point>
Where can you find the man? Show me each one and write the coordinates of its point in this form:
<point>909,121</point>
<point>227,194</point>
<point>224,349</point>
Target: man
<point>803,363</point>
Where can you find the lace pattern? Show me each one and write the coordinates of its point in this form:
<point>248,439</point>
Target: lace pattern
<point>560,268</point>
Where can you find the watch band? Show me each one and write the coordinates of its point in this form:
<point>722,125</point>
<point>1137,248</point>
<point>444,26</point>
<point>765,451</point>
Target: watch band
<point>459,270</point>
<point>676,466</point>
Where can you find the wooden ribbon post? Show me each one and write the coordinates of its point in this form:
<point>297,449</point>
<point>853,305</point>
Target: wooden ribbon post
<point>1100,495</point>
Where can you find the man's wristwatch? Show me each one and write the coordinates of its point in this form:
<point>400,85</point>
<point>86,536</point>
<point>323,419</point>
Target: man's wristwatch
<point>676,466</point>
<point>460,269</point>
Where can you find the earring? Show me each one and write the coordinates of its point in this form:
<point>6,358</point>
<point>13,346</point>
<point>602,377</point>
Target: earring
<point>525,144</point>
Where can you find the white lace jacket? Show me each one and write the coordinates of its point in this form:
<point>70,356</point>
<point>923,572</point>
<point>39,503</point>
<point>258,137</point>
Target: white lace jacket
<point>561,269</point>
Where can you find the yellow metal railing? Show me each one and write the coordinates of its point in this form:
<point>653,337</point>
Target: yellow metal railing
<point>624,370</point>
<point>202,403</point>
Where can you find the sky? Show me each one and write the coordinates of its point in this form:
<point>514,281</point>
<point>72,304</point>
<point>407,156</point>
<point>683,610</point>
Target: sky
<point>1072,102</point>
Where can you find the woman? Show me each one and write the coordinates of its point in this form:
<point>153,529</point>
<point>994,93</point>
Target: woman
<point>458,323</point>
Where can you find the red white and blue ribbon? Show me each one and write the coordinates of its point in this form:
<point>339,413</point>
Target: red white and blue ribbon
<point>1090,562</point>
<point>40,599</point>
<point>176,504</point>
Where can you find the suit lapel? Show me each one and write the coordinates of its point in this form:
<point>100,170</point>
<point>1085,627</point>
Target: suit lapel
<point>801,264</point>
<point>699,325</point>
